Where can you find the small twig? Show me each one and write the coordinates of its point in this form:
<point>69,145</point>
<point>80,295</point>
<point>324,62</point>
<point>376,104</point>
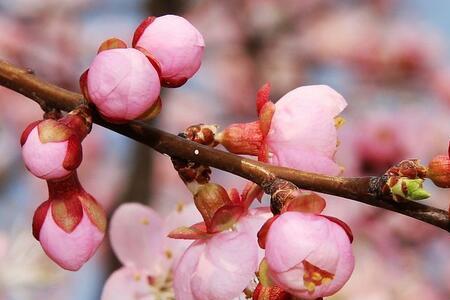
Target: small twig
<point>361,189</point>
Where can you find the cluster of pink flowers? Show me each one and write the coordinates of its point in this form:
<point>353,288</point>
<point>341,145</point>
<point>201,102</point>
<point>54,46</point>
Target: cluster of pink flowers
<point>124,83</point>
<point>298,252</point>
<point>70,225</point>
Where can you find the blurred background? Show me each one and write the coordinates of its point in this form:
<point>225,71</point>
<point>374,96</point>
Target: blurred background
<point>390,59</point>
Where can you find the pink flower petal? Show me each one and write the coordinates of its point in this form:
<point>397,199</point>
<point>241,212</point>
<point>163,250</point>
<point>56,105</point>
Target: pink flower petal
<point>44,160</point>
<point>127,284</point>
<point>70,250</point>
<point>137,237</point>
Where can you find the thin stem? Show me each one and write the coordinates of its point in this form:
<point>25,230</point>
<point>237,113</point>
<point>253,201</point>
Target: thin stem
<point>361,189</point>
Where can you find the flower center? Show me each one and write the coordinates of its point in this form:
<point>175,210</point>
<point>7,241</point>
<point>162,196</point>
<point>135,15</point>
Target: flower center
<point>314,276</point>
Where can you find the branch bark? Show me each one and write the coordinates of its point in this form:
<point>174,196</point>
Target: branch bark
<point>361,189</point>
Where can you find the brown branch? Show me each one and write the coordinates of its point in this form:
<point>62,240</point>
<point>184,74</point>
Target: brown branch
<point>361,189</point>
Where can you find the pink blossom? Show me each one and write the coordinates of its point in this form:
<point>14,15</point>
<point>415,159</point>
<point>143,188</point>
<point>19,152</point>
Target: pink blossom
<point>50,150</point>
<point>302,133</point>
<point>70,225</point>
<point>175,44</point>
<point>138,238</point>
<point>123,84</point>
<point>70,250</point>
<point>222,266</point>
<point>308,255</point>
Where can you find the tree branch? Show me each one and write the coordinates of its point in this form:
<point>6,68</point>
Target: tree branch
<point>361,189</point>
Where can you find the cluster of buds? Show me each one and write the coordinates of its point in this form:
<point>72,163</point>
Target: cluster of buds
<point>405,181</point>
<point>70,225</point>
<point>124,83</point>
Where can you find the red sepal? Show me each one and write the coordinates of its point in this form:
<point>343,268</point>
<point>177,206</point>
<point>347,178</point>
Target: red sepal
<point>83,84</point>
<point>152,59</point>
<point>152,112</point>
<point>112,43</point>
<point>140,29</point>
<point>234,196</point>
<point>344,226</point>
<point>67,213</point>
<point>26,132</point>
<point>251,192</point>
<point>265,118</point>
<point>209,199</point>
<point>262,97</point>
<point>173,83</point>
<point>225,217</point>
<point>262,233</point>
<point>307,202</point>
<point>270,293</point>
<point>195,232</point>
<point>74,153</point>
<point>94,211</point>
<point>39,217</point>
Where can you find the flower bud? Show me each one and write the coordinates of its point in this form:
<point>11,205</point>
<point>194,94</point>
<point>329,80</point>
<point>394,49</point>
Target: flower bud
<point>309,256</point>
<point>175,44</point>
<point>404,188</point>
<point>123,85</point>
<point>50,149</point>
<point>70,225</point>
<point>439,171</point>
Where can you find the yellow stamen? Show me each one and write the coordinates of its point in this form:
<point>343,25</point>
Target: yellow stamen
<point>339,122</point>
<point>310,286</point>
<point>137,277</point>
<point>168,254</point>
<point>316,276</point>
<point>145,221</point>
<point>180,207</point>
<point>326,280</point>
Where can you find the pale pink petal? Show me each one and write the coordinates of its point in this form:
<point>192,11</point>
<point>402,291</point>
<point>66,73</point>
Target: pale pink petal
<point>122,83</point>
<point>303,129</point>
<point>185,269</point>
<point>176,45</point>
<point>291,238</point>
<point>70,250</point>
<point>44,160</point>
<point>183,215</point>
<point>231,259</point>
<point>137,237</point>
<point>127,283</point>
